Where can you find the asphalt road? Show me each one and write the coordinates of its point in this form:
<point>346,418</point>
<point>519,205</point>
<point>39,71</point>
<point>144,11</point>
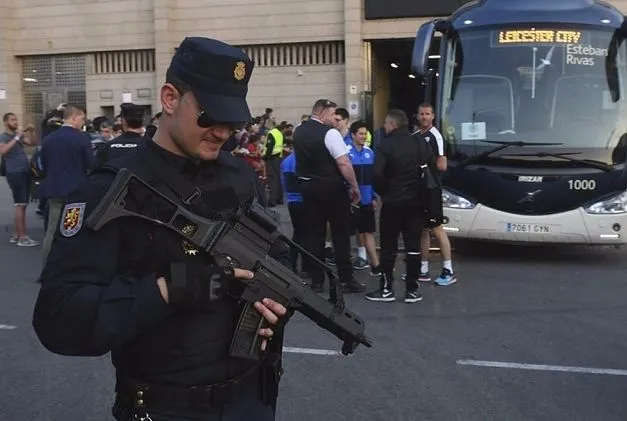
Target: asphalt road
<point>562,308</point>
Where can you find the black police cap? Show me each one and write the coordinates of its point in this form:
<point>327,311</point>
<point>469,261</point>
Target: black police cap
<point>131,111</point>
<point>218,75</point>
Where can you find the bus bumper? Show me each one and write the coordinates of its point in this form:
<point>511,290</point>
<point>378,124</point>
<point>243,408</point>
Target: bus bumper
<point>575,227</point>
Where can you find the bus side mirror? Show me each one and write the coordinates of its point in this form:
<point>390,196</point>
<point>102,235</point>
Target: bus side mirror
<point>422,46</point>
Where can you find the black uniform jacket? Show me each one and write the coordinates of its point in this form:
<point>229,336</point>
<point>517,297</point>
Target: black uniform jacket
<point>99,291</point>
<point>120,146</point>
<point>397,173</point>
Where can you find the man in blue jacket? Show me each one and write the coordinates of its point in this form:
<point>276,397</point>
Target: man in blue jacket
<point>66,156</point>
<point>362,158</point>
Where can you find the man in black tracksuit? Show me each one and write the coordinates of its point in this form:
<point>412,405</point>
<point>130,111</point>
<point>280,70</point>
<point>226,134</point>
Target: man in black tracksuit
<point>397,179</point>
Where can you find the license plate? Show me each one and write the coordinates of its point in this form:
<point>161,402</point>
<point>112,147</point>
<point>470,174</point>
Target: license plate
<point>532,228</point>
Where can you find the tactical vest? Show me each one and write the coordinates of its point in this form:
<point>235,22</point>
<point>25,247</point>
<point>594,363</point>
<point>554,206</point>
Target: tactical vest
<point>313,159</point>
<point>189,346</point>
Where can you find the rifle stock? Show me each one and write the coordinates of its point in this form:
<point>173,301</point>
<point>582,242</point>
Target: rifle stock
<point>242,239</point>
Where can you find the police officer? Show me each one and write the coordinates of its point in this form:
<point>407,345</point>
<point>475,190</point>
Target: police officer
<point>275,139</point>
<point>132,117</point>
<point>397,179</point>
<point>324,170</point>
<point>115,289</point>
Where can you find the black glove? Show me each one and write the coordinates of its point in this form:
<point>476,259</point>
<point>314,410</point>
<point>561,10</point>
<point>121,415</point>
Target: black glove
<point>194,285</point>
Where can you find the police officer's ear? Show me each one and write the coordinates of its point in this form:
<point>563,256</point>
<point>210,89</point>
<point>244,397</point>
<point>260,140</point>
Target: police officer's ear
<point>170,98</point>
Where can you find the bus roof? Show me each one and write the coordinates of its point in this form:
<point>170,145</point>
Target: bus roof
<point>490,12</point>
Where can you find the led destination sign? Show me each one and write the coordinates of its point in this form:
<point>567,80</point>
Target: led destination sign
<point>537,36</point>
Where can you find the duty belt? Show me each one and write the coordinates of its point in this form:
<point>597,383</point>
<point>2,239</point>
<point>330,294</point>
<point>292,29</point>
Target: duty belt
<point>142,395</point>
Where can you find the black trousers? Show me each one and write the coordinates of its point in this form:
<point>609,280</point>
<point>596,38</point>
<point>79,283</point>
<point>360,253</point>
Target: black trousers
<point>328,202</point>
<point>298,216</point>
<point>396,219</point>
<point>273,172</point>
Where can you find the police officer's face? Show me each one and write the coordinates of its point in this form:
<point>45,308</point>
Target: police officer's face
<point>192,140</point>
<point>425,117</point>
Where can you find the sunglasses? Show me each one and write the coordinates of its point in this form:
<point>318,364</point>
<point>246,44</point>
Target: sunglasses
<point>204,121</point>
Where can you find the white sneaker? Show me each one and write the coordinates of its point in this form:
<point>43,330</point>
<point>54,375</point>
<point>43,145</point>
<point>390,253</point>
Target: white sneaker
<point>27,242</point>
<point>14,239</point>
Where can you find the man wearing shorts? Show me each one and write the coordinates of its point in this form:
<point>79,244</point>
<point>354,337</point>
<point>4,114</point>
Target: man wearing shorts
<point>434,215</point>
<point>362,158</point>
<point>17,170</point>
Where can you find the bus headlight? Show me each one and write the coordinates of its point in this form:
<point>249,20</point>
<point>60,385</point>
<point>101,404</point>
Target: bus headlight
<point>613,205</point>
<point>452,200</point>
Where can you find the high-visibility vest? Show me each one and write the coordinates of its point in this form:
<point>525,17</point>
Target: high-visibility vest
<point>278,141</point>
<point>368,139</point>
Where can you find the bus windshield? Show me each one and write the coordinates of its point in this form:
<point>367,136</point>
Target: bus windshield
<point>557,84</point>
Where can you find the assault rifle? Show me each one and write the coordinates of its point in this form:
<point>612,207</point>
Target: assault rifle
<point>242,238</point>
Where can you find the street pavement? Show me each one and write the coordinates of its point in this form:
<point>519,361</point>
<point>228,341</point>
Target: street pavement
<point>558,311</point>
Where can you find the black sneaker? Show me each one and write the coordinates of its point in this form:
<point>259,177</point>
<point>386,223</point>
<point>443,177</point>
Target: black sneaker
<point>424,277</point>
<point>353,286</point>
<point>360,264</point>
<point>376,271</point>
<point>412,296</point>
<point>384,295</point>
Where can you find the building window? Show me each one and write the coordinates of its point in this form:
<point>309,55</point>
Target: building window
<point>298,54</point>
<point>131,61</point>
<point>49,80</point>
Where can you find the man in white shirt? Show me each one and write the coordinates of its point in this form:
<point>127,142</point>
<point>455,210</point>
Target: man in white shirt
<point>434,216</point>
<point>324,170</point>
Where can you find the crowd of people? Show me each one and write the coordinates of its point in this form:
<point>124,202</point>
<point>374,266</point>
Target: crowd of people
<point>380,166</point>
<point>268,147</point>
<point>162,306</point>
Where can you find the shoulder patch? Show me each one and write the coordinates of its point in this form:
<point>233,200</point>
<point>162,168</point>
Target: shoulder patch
<point>72,219</point>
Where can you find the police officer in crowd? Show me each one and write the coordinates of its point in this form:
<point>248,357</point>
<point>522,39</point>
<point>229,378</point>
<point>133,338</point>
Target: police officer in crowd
<point>136,289</point>
<point>275,140</point>
<point>132,118</point>
<point>324,170</point>
<point>397,179</point>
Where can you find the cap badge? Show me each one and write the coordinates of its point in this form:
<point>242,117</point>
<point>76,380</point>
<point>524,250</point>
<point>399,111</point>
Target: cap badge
<point>189,248</point>
<point>239,73</point>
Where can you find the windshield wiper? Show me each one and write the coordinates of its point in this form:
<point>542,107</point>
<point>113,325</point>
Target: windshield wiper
<point>502,145</point>
<point>586,162</point>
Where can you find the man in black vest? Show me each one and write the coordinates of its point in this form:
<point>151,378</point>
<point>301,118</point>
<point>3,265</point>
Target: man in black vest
<point>132,117</point>
<point>329,189</point>
<point>138,290</point>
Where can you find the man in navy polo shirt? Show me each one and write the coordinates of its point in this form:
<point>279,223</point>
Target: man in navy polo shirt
<point>362,158</point>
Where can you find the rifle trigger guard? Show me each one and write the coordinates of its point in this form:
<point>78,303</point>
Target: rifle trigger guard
<point>192,197</point>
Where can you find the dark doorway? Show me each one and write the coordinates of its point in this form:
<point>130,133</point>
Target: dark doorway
<point>396,85</point>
